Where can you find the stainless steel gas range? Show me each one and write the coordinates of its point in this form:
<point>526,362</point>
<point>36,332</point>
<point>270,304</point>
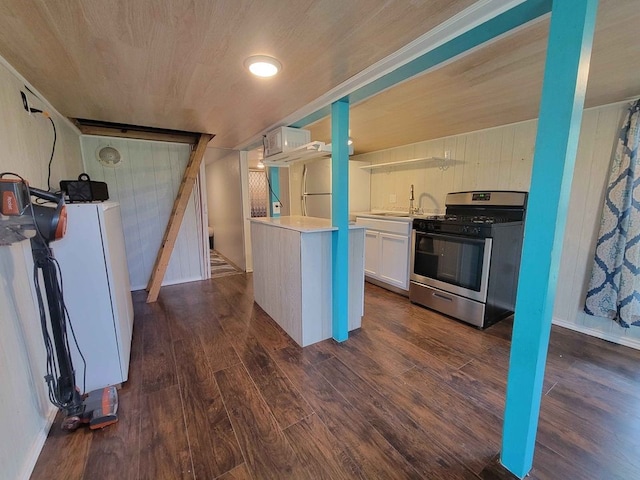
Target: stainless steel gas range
<point>465,264</point>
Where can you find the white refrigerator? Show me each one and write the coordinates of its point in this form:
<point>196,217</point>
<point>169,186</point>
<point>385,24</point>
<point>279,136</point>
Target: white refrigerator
<point>97,293</point>
<point>316,188</point>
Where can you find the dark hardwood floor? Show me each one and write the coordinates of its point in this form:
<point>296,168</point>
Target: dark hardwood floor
<point>217,390</point>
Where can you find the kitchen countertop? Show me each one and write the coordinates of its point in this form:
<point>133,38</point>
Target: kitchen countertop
<point>301,223</point>
<point>387,215</point>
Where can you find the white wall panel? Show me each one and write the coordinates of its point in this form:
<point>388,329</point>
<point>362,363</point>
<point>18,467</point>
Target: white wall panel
<point>25,148</point>
<point>146,183</point>
<point>501,158</point>
<point>224,198</point>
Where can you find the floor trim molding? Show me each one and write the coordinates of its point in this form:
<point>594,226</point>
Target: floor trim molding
<point>38,443</point>
<point>627,342</point>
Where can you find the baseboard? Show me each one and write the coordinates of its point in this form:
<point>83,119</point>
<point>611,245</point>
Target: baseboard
<point>36,447</point>
<point>627,342</point>
<point>386,286</point>
<point>170,282</point>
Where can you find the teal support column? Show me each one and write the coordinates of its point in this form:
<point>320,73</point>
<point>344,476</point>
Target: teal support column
<point>340,217</point>
<point>565,81</point>
<point>274,190</point>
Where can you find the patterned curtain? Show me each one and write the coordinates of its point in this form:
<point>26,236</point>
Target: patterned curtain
<point>614,288</point>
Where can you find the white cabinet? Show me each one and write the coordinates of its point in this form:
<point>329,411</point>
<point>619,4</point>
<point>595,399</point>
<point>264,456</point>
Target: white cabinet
<point>372,253</point>
<point>394,259</point>
<point>292,275</point>
<point>387,244</point>
<point>97,292</point>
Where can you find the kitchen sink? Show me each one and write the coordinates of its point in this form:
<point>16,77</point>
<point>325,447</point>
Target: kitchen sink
<point>392,214</point>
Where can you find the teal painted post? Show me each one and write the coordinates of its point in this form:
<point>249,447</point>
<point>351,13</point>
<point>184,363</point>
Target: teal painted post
<point>340,217</point>
<point>565,81</point>
<point>274,191</point>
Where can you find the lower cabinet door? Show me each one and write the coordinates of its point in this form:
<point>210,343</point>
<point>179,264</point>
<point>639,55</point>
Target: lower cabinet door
<point>394,259</point>
<point>371,253</point>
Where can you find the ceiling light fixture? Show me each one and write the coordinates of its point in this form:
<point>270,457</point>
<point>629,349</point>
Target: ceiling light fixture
<point>262,65</point>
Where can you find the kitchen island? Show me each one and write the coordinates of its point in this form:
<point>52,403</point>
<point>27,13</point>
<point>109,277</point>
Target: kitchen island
<point>292,269</point>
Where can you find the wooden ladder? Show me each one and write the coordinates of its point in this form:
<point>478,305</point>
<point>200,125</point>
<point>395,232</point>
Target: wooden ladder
<point>175,219</point>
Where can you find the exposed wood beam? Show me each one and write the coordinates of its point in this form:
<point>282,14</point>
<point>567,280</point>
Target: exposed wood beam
<point>175,219</point>
<point>107,129</point>
<point>340,218</point>
<point>563,92</point>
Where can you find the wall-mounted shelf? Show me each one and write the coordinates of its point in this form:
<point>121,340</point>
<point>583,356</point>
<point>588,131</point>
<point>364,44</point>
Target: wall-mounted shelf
<point>429,162</point>
<point>308,151</point>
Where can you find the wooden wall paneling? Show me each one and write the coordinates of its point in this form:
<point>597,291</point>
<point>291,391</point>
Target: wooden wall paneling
<point>606,136</point>
<point>180,256</point>
<point>506,158</point>
<point>259,259</point>
<point>196,235</point>
<point>419,176</point>
<point>186,236</point>
<point>513,172</point>
<point>163,182</point>
<point>470,172</point>
<point>26,413</point>
<point>145,184</point>
<point>580,191</point>
<point>188,243</point>
<point>177,214</point>
<point>458,168</point>
<point>280,283</point>
<point>489,158</point>
<point>316,291</point>
<point>127,186</point>
<point>146,202</point>
<point>449,174</point>
<point>524,141</point>
<point>356,275</point>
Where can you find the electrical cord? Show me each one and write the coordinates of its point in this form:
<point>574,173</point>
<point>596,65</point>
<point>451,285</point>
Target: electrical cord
<point>52,368</point>
<point>271,189</point>
<point>264,151</point>
<point>53,148</point>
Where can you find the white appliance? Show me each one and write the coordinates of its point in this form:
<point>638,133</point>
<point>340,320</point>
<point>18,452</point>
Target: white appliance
<point>316,188</point>
<point>97,294</point>
<point>284,139</point>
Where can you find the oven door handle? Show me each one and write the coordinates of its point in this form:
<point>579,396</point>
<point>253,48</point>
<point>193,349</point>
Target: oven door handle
<point>450,237</point>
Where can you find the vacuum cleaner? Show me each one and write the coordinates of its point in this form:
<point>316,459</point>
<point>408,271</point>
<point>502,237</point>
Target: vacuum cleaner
<point>43,222</point>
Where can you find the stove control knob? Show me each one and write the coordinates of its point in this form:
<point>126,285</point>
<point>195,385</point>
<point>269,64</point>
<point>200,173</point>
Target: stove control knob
<point>465,229</point>
<point>475,230</point>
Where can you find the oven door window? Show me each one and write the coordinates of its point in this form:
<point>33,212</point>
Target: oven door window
<point>450,259</point>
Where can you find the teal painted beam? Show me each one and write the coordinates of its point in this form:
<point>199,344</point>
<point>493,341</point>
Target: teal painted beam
<point>503,23</point>
<point>563,91</point>
<point>340,218</point>
<point>274,189</point>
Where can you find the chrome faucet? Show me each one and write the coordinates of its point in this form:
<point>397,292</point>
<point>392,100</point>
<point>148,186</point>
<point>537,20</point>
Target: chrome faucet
<point>411,209</point>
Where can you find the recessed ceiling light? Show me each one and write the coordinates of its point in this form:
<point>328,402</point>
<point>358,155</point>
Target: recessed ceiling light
<point>262,65</point>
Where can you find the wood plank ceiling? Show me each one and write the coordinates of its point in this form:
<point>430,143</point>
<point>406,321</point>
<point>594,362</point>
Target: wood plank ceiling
<point>496,85</point>
<point>178,65</point>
